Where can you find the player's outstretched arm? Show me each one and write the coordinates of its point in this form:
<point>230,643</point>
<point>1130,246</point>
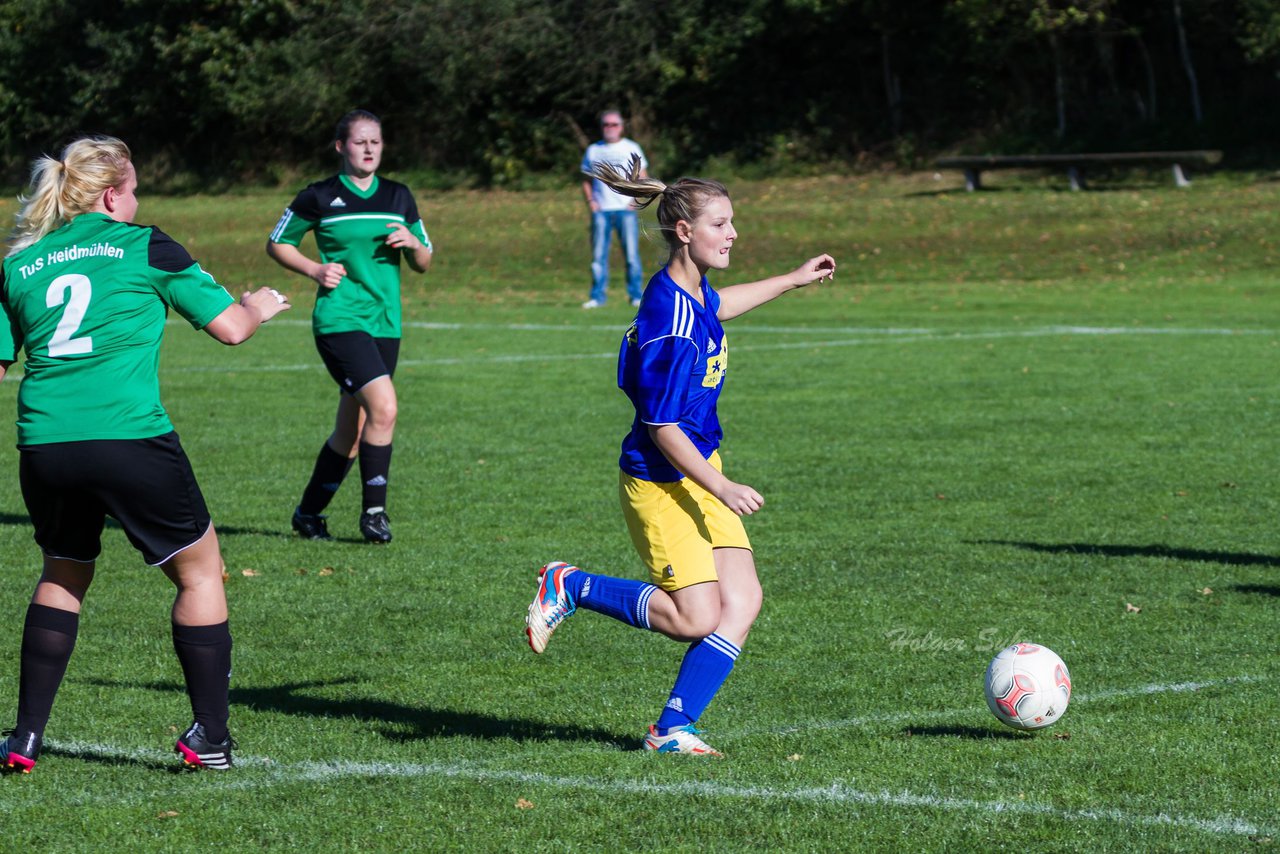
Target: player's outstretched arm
<point>739,299</point>
<point>238,321</point>
<point>684,455</point>
<point>291,258</point>
<point>4,367</point>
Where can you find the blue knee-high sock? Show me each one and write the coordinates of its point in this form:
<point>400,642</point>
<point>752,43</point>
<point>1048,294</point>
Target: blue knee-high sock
<point>621,598</point>
<point>705,667</point>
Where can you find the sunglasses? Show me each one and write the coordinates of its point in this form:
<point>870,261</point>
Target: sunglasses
<point>611,124</point>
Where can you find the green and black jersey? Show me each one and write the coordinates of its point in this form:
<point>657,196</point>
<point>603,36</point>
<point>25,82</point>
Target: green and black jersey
<point>88,303</point>
<point>351,229</point>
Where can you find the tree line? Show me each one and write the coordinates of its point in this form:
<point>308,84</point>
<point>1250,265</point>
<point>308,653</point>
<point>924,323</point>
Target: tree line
<point>492,91</point>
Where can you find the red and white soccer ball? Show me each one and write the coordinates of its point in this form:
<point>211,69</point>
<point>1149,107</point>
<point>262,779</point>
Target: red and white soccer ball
<point>1027,686</point>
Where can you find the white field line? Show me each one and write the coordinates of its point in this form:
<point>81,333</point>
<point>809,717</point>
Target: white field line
<point>924,716</point>
<point>839,793</point>
<point>856,337</point>
<point>1057,329</point>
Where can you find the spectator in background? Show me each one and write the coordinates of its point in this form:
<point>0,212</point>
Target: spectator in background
<point>612,211</point>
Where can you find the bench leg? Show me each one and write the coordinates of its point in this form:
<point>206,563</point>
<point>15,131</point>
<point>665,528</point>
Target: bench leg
<point>1180,179</point>
<point>972,180</point>
<point>1076,177</point>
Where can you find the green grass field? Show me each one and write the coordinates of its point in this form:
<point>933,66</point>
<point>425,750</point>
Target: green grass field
<point>1023,414</point>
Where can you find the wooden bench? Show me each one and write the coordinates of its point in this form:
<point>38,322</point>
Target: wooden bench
<point>1075,164</point>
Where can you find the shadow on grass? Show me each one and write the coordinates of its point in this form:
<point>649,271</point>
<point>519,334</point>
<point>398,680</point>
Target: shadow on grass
<point>283,533</point>
<point>21,519</point>
<point>101,757</point>
<point>240,531</point>
<point>1153,550</point>
<point>408,723</point>
<point>1260,589</point>
<point>973,733</point>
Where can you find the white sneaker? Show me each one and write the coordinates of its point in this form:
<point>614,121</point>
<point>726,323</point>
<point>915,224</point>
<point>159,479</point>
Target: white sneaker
<point>635,303</point>
<point>592,303</point>
<point>551,605</point>
<point>679,740</point>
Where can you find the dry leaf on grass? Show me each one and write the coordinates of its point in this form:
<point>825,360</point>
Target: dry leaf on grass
<point>249,573</point>
<point>1131,608</point>
<point>522,804</point>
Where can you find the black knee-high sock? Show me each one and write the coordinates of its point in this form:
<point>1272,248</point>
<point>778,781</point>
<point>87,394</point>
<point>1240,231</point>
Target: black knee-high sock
<point>330,470</point>
<point>205,655</point>
<point>48,637</point>
<point>375,466</point>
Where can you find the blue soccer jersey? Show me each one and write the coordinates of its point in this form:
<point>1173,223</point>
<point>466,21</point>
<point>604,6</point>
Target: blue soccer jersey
<point>672,365</point>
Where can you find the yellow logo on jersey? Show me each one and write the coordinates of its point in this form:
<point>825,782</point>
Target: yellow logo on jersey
<point>717,365</point>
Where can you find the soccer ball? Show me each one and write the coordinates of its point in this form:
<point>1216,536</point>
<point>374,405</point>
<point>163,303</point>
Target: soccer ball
<point>1027,686</point>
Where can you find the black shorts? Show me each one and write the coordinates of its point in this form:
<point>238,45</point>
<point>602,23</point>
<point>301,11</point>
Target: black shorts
<point>145,484</point>
<point>355,359</point>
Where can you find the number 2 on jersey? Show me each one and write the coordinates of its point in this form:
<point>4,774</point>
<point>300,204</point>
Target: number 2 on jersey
<point>62,344</point>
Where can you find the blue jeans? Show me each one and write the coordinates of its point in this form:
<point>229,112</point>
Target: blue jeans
<point>603,224</point>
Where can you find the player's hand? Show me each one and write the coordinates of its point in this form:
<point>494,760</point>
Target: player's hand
<point>740,498</point>
<point>402,238</point>
<point>817,269</point>
<point>328,275</point>
<point>268,302</point>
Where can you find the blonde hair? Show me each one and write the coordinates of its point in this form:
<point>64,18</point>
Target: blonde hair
<point>63,188</point>
<point>683,200</point>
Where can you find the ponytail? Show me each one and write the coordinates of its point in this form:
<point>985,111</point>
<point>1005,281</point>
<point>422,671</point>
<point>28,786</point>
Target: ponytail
<point>683,200</point>
<point>63,188</point>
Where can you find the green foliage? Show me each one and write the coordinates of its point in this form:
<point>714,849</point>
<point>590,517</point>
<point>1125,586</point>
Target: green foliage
<point>1261,36</point>
<point>503,90</point>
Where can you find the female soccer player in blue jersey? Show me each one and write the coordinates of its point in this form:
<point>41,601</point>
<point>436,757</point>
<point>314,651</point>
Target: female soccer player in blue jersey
<point>85,293</point>
<point>682,512</point>
<point>363,226</point>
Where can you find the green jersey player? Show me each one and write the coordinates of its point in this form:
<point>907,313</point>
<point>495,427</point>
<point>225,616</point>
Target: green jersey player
<point>363,226</point>
<point>85,293</point>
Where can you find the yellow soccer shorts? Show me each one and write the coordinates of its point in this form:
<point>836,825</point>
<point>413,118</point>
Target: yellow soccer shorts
<point>676,526</point>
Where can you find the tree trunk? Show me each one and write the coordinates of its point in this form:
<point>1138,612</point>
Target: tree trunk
<point>1103,42</point>
<point>1059,85</point>
<point>892,86</point>
<point>1150,109</point>
<point>1185,53</point>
